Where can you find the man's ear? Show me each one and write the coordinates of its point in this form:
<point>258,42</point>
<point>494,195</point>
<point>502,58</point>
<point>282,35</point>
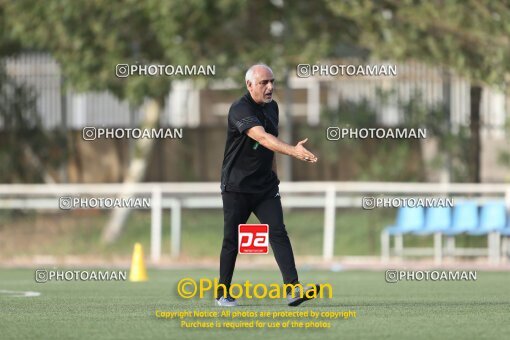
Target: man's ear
<point>248,84</point>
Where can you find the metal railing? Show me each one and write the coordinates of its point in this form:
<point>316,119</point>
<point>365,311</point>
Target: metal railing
<point>177,196</point>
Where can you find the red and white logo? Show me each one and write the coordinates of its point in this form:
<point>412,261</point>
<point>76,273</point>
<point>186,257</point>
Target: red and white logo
<point>253,238</point>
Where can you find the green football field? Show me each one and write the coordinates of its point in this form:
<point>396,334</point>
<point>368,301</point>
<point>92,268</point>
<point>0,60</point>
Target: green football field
<point>123,310</point>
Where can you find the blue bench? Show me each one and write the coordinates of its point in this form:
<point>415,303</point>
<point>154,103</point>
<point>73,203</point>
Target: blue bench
<point>437,220</point>
<point>505,234</point>
<point>408,220</point>
<point>466,218</point>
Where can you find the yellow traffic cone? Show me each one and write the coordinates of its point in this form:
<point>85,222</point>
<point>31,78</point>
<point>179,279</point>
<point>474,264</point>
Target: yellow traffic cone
<point>138,273</point>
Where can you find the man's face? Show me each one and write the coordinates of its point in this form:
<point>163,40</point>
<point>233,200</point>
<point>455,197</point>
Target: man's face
<point>262,86</point>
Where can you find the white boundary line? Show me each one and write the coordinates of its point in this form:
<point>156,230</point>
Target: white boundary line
<point>17,293</point>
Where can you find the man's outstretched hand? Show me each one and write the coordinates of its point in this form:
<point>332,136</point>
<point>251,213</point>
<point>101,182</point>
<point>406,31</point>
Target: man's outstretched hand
<point>274,144</point>
<point>301,153</point>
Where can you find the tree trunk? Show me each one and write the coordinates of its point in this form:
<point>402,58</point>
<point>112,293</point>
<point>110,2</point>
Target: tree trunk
<point>287,133</point>
<point>475,149</point>
<point>136,172</point>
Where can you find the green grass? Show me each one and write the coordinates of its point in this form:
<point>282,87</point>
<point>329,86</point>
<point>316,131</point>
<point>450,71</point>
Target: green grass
<point>124,310</point>
<point>78,233</point>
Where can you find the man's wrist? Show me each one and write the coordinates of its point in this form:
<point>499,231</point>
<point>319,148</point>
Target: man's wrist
<point>293,151</point>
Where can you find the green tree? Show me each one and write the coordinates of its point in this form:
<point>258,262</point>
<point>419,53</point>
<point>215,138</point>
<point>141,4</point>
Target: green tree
<point>470,37</point>
<point>28,153</point>
<point>89,37</point>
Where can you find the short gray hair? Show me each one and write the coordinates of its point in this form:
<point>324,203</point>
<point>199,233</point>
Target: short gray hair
<point>249,73</point>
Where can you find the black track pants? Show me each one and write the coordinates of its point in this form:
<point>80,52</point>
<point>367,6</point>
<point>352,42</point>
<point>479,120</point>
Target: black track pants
<point>267,206</point>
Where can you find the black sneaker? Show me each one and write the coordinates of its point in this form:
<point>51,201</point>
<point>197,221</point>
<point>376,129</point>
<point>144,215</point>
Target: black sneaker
<point>296,299</point>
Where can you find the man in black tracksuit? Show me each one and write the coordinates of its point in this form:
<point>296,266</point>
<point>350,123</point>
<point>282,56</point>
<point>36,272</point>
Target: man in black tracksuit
<point>249,182</point>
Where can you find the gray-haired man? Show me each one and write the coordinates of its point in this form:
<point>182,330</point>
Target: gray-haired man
<point>249,182</point>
